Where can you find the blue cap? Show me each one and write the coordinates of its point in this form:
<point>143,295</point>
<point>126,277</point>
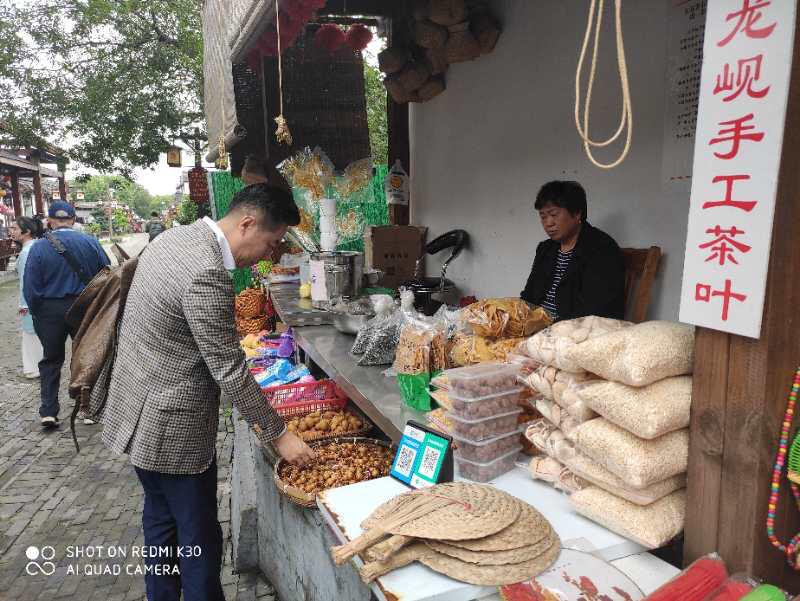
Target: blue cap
<point>61,210</point>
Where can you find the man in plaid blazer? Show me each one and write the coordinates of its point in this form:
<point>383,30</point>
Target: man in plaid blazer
<point>177,350</point>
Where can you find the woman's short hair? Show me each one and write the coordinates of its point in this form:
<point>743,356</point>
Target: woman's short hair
<point>568,195</point>
<point>31,225</point>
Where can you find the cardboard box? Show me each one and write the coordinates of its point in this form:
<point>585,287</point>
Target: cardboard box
<point>394,249</point>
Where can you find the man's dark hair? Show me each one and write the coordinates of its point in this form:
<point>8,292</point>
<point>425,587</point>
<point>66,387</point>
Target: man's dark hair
<point>565,194</point>
<point>256,165</point>
<point>275,205</point>
<point>154,214</point>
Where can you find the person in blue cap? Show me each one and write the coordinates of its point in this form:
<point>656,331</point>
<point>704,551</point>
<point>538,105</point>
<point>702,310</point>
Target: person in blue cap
<point>58,268</point>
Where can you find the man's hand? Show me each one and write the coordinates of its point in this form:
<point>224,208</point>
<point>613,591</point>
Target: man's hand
<point>293,449</point>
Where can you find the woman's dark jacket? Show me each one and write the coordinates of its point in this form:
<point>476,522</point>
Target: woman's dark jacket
<point>594,283</point>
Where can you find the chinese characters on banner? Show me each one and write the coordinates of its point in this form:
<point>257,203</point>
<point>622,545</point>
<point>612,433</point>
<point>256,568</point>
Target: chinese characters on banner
<point>743,94</point>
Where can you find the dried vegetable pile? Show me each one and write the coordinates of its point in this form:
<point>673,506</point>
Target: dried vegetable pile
<point>616,400</point>
<point>470,532</point>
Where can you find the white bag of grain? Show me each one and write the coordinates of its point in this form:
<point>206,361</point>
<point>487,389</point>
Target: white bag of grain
<point>552,471</point>
<point>589,470</point>
<point>651,526</point>
<point>569,397</point>
<point>636,461</point>
<point>550,381</point>
<point>549,440</point>
<point>639,355</point>
<point>648,411</point>
<point>560,417</point>
<point>550,346</point>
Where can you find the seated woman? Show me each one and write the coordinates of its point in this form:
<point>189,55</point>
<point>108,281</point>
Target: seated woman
<point>579,271</point>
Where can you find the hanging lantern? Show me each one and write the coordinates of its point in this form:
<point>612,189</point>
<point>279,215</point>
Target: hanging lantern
<point>329,37</point>
<point>198,185</point>
<point>174,156</point>
<point>358,37</point>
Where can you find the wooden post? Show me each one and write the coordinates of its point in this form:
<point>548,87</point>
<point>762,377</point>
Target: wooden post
<point>739,398</point>
<point>37,192</point>
<point>397,119</point>
<point>62,188</point>
<point>16,199</point>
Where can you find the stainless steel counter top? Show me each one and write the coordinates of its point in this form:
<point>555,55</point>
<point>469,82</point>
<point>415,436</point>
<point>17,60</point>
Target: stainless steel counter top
<point>375,394</point>
<point>295,311</point>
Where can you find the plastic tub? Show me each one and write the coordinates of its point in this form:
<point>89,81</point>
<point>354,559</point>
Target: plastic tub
<point>486,450</point>
<point>487,406</point>
<point>483,472</point>
<point>484,428</point>
<point>484,379</point>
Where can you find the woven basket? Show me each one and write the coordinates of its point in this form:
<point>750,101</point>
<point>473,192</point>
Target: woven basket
<point>486,31</point>
<point>431,88</point>
<point>393,59</point>
<point>413,76</point>
<point>461,44</point>
<point>301,497</point>
<point>396,90</point>
<point>250,303</point>
<point>429,34</point>
<point>447,12</point>
<point>250,326</point>
<point>437,61</point>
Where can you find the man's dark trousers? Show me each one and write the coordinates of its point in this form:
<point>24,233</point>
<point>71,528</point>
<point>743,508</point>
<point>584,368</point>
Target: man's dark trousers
<point>52,330</point>
<point>180,513</point>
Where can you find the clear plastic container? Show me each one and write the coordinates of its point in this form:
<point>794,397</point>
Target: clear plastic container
<point>441,382</point>
<point>484,379</point>
<point>484,428</point>
<point>487,406</point>
<point>486,450</point>
<point>483,472</point>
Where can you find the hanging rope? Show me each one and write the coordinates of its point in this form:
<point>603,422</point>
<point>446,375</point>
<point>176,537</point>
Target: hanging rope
<point>626,118</point>
<point>282,133</point>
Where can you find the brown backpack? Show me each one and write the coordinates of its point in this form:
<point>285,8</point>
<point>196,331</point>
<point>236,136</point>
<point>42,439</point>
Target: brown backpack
<point>95,317</point>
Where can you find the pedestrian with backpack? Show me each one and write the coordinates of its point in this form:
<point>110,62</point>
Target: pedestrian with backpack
<point>155,226</point>
<point>58,268</point>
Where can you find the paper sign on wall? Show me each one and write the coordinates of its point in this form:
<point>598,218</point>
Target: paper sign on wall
<point>743,95</point>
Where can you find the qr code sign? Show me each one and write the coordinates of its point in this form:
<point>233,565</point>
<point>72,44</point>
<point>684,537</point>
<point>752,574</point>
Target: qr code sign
<point>430,459</point>
<point>405,461</point>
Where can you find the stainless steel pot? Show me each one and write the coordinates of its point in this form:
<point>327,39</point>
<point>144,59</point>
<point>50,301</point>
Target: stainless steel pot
<point>336,274</point>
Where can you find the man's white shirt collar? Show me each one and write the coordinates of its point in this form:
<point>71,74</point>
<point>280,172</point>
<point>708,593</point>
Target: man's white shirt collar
<point>227,256</point>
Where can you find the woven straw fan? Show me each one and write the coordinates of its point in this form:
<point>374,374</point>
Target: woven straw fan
<point>451,511</point>
<point>529,528</point>
<point>481,575</point>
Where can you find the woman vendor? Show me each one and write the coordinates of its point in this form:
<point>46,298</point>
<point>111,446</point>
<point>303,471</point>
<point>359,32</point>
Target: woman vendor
<point>579,271</point>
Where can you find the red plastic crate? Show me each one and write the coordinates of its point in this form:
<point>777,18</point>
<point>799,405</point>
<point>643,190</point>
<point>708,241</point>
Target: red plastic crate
<point>300,399</point>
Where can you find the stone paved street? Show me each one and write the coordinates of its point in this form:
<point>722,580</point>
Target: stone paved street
<point>51,497</point>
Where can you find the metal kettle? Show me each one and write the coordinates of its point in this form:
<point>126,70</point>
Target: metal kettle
<point>425,289</point>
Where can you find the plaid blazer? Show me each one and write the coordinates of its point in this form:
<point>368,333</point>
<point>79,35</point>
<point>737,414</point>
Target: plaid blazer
<point>177,349</point>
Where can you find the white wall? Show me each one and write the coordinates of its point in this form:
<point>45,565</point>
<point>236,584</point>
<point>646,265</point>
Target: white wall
<point>504,126</point>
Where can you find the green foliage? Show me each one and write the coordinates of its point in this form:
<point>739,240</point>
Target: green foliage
<point>122,78</point>
<point>101,188</point>
<point>94,229</point>
<point>120,220</point>
<point>161,202</point>
<point>187,212</point>
<point>376,114</point>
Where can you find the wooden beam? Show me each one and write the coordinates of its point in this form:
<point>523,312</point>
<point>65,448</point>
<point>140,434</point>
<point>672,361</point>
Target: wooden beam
<point>741,393</point>
<point>62,188</point>
<point>16,199</point>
